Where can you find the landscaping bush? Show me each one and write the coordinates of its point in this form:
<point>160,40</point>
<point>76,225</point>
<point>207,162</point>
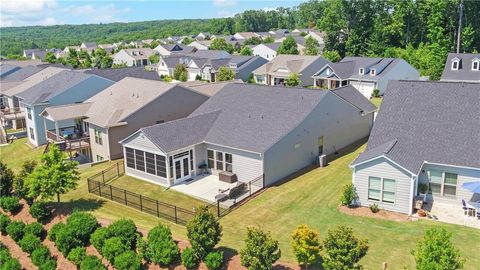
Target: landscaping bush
<point>10,204</point>
<point>50,264</point>
<point>204,232</point>
<point>52,233</point>
<point>66,240</point>
<point>6,182</point>
<point>34,228</point>
<point>113,247</point>
<point>376,93</point>
<point>82,225</point>
<point>4,221</point>
<point>77,255</point>
<point>348,195</point>
<point>261,251</point>
<point>128,260</point>
<point>29,243</point>
<point>125,229</point>
<point>40,255</point>
<point>344,250</point>
<point>39,211</point>
<point>16,230</point>
<point>305,245</point>
<point>189,259</point>
<point>11,264</point>
<point>161,248</point>
<point>92,263</point>
<point>98,238</point>
<point>214,260</point>
<point>374,208</point>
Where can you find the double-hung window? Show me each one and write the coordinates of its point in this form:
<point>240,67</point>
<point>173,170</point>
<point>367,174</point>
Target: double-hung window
<point>381,189</point>
<point>220,161</point>
<point>443,183</point>
<point>29,113</point>
<point>98,136</point>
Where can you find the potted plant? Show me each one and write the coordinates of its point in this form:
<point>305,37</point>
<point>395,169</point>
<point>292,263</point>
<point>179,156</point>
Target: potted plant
<point>422,213</point>
<point>423,188</point>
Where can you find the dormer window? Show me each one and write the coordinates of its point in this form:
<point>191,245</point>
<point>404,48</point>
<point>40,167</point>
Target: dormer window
<point>476,65</point>
<point>373,72</point>
<point>455,64</point>
<point>361,71</point>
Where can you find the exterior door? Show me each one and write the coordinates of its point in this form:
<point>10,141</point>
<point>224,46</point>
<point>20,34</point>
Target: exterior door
<point>181,168</point>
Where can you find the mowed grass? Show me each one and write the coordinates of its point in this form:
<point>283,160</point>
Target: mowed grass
<point>313,199</point>
<point>377,101</point>
<point>18,152</point>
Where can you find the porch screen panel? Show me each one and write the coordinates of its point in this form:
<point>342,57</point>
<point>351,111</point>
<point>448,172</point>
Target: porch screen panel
<point>130,156</point>
<point>436,182</point>
<point>150,162</point>
<point>388,190</point>
<point>374,187</point>
<point>161,166</point>
<point>140,160</point>
<point>450,187</point>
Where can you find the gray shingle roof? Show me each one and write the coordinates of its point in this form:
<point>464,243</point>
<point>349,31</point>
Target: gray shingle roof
<point>117,74</point>
<point>382,66</point>
<point>464,72</point>
<point>437,122</point>
<point>354,97</point>
<point>6,69</point>
<point>21,74</point>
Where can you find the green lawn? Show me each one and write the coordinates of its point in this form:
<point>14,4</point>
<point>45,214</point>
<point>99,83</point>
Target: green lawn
<point>376,101</point>
<point>18,152</point>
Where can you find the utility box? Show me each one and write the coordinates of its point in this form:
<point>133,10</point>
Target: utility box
<point>322,161</point>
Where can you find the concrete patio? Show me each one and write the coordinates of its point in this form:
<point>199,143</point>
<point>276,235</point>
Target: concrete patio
<point>450,212</point>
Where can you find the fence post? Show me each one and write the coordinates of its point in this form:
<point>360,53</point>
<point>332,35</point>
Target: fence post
<point>176,218</point>
<point>250,188</point>
<point>118,170</point>
<point>158,212</point>
<point>100,189</point>
<point>103,177</point>
<point>218,208</point>
<point>141,205</point>
<point>125,194</point>
<point>111,194</point>
<point>88,183</point>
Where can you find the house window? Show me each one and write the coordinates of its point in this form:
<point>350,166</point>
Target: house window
<point>381,189</point>
<point>99,158</point>
<point>372,72</point>
<point>443,183</point>
<point>98,136</point>
<point>361,71</point>
<point>211,159</point>
<point>455,65</point>
<point>32,135</point>
<point>130,157</point>
<point>219,157</point>
<point>220,161</point>
<point>29,113</point>
<point>476,65</point>
<point>191,159</point>
<point>161,166</point>
<point>228,162</point>
<point>139,160</point>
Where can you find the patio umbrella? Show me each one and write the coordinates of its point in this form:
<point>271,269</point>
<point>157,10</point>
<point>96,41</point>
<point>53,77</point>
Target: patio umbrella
<point>472,186</point>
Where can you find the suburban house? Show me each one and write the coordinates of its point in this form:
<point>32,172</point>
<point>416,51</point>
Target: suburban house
<point>6,69</point>
<point>300,40</point>
<point>117,74</point>
<point>13,113</point>
<point>315,34</point>
<point>235,135</point>
<point>121,109</point>
<point>267,51</point>
<point>364,73</point>
<point>203,35</point>
<point>107,47</point>
<point>88,46</point>
<point>28,53</point>
<point>133,57</point>
<point>283,66</point>
<point>426,134</point>
<point>169,49</point>
<point>64,87</point>
<point>245,35</point>
<point>241,65</point>
<point>462,67</point>
<point>200,44</point>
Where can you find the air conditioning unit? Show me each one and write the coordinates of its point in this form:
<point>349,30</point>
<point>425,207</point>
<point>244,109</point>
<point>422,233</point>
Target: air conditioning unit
<point>322,161</point>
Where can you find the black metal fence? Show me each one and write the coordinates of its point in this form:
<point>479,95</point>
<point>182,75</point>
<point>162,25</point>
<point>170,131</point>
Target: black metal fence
<point>110,173</point>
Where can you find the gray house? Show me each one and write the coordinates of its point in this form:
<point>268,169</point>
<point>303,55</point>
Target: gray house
<point>462,67</point>
<point>123,108</point>
<point>249,132</point>
<point>283,66</point>
<point>364,73</point>
<point>241,65</point>
<point>425,133</point>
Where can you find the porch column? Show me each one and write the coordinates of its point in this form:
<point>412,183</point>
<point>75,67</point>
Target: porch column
<point>314,82</point>
<point>57,131</point>
<point>46,130</point>
<point>167,162</point>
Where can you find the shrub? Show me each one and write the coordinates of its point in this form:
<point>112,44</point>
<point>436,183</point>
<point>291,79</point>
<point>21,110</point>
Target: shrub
<point>98,238</point>
<point>82,225</point>
<point>125,229</point>
<point>52,233</point>
<point>65,240</point>
<point>113,247</point>
<point>204,232</point>
<point>11,264</point>
<point>91,262</point>
<point>374,208</point>
<point>349,195</point>
<point>128,261</point>
<point>161,249</point>
<point>260,251</point>
<point>10,204</point>
<point>40,255</point>
<point>306,245</point>
<point>39,211</point>
<point>6,183</point>
<point>34,228</point>
<point>189,259</point>
<point>49,264</point>
<point>29,243</point>
<point>77,255</point>
<point>214,260</point>
<point>376,93</point>
<point>343,249</point>
<point>16,230</point>
<point>4,221</point>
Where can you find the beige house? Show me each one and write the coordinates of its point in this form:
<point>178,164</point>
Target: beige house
<point>133,57</point>
<point>125,107</point>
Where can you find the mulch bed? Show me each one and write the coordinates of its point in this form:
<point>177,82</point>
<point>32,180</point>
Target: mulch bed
<point>17,253</point>
<point>366,212</point>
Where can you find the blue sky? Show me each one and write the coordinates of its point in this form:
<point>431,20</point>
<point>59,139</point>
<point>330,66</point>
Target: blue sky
<point>51,12</point>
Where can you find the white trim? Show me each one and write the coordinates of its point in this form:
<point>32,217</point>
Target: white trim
<point>412,186</point>
<point>447,165</point>
<point>475,61</point>
<point>239,149</point>
<point>385,157</point>
<point>145,179</point>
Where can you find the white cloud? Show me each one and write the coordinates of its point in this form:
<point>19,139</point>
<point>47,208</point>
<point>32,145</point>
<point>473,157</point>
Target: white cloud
<point>27,12</point>
<point>224,3</point>
<point>225,14</point>
<point>266,9</point>
<point>97,14</point>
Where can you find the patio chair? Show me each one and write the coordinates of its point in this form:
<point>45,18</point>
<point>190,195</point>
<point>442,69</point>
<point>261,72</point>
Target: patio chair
<point>464,207</point>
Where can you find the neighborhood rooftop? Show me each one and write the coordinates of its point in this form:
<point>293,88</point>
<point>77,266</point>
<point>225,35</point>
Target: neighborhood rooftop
<point>117,74</point>
<point>465,70</point>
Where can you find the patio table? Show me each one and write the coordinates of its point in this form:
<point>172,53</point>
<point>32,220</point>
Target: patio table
<point>474,205</point>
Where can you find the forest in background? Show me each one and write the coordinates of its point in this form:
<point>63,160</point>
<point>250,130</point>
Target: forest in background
<point>422,32</point>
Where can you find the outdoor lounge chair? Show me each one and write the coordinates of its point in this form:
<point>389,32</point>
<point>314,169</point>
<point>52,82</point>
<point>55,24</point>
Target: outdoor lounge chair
<point>467,210</point>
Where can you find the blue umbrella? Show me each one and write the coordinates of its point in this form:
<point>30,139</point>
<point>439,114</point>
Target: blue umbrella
<point>472,186</point>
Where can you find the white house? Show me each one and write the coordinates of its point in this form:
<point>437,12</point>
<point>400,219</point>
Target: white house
<point>267,51</point>
<point>133,57</point>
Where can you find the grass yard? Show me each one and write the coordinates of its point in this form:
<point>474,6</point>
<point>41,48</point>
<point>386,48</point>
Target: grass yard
<point>18,152</point>
<point>377,101</point>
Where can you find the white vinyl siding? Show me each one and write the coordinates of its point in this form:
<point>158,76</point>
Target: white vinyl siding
<point>381,189</point>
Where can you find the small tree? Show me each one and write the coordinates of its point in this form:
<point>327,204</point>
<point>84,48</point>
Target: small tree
<point>288,46</point>
<point>349,195</point>
<point>221,44</point>
<point>225,74</point>
<point>113,247</point>
<point>252,41</point>
<point>6,180</point>
<point>50,57</point>
<point>178,71</point>
<point>154,58</point>
<point>436,251</point>
<point>246,51</point>
<point>187,40</point>
<point>214,260</point>
<point>128,260</point>
<point>203,231</point>
<point>332,56</point>
<point>77,255</point>
<point>92,262</point>
<point>268,40</point>
<point>306,245</point>
<point>260,251</point>
<point>56,175</point>
<point>161,248</point>
<point>312,47</point>
<point>343,249</point>
<point>19,183</point>
<point>293,80</point>
<point>189,259</point>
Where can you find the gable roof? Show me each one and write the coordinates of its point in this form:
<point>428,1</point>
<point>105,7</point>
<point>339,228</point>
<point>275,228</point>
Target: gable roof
<point>208,88</point>
<point>343,70</point>
<point>117,74</point>
<point>293,63</point>
<point>6,69</point>
<point>381,65</point>
<point>21,73</point>
<point>274,46</point>
<point>354,97</point>
<point>464,72</point>
<point>32,81</point>
<point>430,122</point>
<point>139,53</point>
